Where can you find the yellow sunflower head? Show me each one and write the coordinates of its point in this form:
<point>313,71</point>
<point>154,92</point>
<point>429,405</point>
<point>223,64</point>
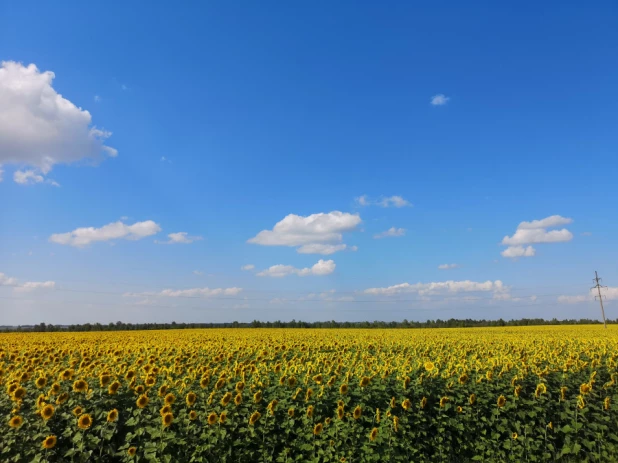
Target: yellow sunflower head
<point>142,401</point>
<point>80,386</point>
<point>358,411</point>
<point>364,382</point>
<point>223,417</point>
<point>47,412</point>
<point>212,418</point>
<point>167,419</point>
<point>255,416</point>
<point>373,434</point>
<point>84,421</point>
<point>49,442</point>
<point>112,416</point>
<point>131,451</point>
<point>170,399</point>
<point>501,401</point>
<point>16,421</point>
<point>317,429</point>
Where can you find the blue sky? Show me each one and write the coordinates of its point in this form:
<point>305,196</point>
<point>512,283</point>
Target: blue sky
<point>221,120</point>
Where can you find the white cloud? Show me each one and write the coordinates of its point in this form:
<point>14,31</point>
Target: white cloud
<point>572,299</point>
<point>39,127</point>
<point>295,230</point>
<point>449,286</point>
<point>247,267</point>
<point>535,232</point>
<point>180,238</point>
<point>447,266</point>
<point>193,292</point>
<point>322,267</point>
<point>197,272</point>
<point>97,98</point>
<point>30,177</point>
<point>81,237</point>
<point>324,249</point>
<point>35,285</point>
<point>390,201</point>
<point>518,251</point>
<point>439,99</point>
<point>391,232</point>
<point>25,287</point>
<point>548,222</point>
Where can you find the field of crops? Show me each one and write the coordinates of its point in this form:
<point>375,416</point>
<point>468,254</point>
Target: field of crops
<point>283,395</point>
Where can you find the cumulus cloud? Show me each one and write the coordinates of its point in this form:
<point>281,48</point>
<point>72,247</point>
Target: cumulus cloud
<point>81,237</point>
<point>296,230</point>
<point>391,232</point>
<point>30,177</point>
<point>447,266</point>
<point>390,201</point>
<point>439,99</point>
<point>440,287</point>
<point>247,267</point>
<point>180,238</point>
<point>535,232</point>
<point>322,267</point>
<point>28,286</point>
<point>324,249</point>
<point>39,127</point>
<point>518,251</point>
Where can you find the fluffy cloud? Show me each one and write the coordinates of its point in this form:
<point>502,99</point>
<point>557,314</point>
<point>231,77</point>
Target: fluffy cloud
<point>30,177</point>
<point>247,267</point>
<point>518,251</point>
<point>41,128</point>
<point>27,286</point>
<point>324,249</point>
<point>447,266</point>
<point>391,201</point>
<point>81,237</point>
<point>391,232</point>
<point>609,294</point>
<point>180,238</point>
<point>535,232</point>
<point>439,99</point>
<point>440,287</point>
<point>296,230</point>
<point>322,267</point>
<point>572,299</point>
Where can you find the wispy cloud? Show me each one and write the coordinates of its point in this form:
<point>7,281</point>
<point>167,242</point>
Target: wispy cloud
<point>81,237</point>
<point>322,267</point>
<point>180,238</point>
<point>391,232</point>
<point>384,201</point>
<point>447,266</point>
<point>439,100</point>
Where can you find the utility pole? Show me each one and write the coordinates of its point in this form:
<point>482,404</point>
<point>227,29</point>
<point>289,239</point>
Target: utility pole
<point>598,286</point>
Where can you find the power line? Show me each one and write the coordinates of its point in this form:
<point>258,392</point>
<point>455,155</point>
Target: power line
<point>598,286</point>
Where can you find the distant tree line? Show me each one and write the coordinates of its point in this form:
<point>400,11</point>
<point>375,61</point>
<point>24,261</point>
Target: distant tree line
<point>450,323</point>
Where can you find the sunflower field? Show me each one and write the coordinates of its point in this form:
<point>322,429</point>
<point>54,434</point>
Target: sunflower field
<point>292,395</point>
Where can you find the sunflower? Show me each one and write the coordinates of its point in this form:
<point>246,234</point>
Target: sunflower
<point>550,425</point>
<point>62,398</point>
<point>226,399</point>
<point>563,390</point>
<point>423,402</point>
<point>514,436</point>
<point>406,404</point>
<point>343,389</point>
<point>606,403</point>
<point>463,379</point>
<point>291,412</point>
<point>318,379</point>
<point>317,429</point>
<point>340,413</point>
<point>40,382</point>
<point>104,380</point>
<point>222,417</point>
<point>220,383</point>
<point>459,409</point>
<point>257,397</point>
<point>406,382</point>
<point>331,381</point>
<point>40,401</point>
<point>240,385</point>
<point>364,382</point>
<point>162,390</point>
<point>328,421</point>
<point>517,391</point>
<point>167,419</point>
<point>113,388</point>
<point>272,405</point>
<point>204,382</point>
<point>169,399</point>
<point>112,416</point>
<point>443,401</point>
<point>357,412</point>
<point>165,409</point>
<point>84,421</point>
<point>54,389</point>
<point>80,386</point>
<point>377,415</point>
<point>429,366</point>
<point>190,399</point>
<point>501,401</point>
<point>395,423</point>
<point>142,401</point>
<point>150,381</point>
<point>291,381</point>
<point>140,389</point>
<point>310,411</point>
<point>584,389</point>
<point>16,421</point>
<point>19,393</point>
<point>47,412</point>
<point>489,375</point>
<point>373,434</point>
<point>282,380</point>
<point>581,403</point>
<point>212,418</point>
<point>472,399</point>
<point>77,411</point>
<point>255,416</point>
<point>393,403</point>
<point>132,451</point>
<point>49,442</point>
